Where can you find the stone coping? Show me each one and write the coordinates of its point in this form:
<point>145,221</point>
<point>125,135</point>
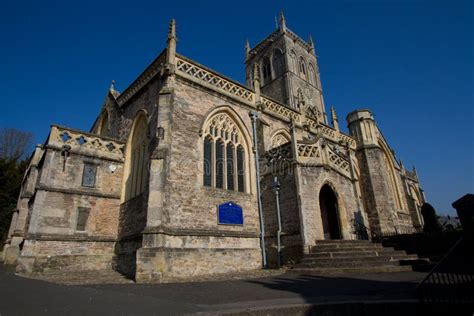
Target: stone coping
<point>78,192</point>
<point>200,232</point>
<point>78,238</point>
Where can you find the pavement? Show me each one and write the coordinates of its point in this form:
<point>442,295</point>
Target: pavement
<point>25,296</point>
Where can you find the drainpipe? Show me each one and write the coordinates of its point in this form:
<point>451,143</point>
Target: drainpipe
<point>254,116</point>
<point>276,189</point>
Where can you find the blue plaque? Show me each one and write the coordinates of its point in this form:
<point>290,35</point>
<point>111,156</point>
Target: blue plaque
<point>230,213</point>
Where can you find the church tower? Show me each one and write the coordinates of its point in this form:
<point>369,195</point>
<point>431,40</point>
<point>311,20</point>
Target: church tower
<point>288,71</point>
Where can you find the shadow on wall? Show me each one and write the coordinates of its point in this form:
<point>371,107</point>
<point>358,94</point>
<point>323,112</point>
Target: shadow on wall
<point>132,221</point>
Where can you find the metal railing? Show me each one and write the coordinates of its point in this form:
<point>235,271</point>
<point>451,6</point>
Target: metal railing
<point>363,232</point>
<point>451,282</point>
<point>397,231</point>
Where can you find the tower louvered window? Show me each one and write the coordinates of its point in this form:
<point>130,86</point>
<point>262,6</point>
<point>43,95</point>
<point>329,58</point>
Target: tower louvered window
<point>278,63</point>
<point>224,154</point>
<point>266,71</point>
<point>303,73</point>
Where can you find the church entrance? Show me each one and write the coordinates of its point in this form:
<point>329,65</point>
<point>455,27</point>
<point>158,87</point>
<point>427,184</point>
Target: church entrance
<point>329,213</point>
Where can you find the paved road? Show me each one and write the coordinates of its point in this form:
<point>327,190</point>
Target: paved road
<point>21,296</point>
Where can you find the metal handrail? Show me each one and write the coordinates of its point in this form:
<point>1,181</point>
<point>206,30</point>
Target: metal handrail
<point>451,280</point>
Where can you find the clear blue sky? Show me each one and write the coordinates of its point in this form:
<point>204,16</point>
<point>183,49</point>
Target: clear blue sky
<point>411,62</point>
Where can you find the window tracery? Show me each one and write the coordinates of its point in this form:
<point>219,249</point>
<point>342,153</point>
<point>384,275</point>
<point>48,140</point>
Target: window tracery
<point>303,73</point>
<point>224,154</point>
<point>279,139</point>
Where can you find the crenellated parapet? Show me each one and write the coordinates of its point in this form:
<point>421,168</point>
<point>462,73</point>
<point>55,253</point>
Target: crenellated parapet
<point>275,109</point>
<point>206,77</point>
<point>67,139</point>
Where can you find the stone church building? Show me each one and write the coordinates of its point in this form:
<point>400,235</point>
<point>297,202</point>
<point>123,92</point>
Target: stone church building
<point>166,184</point>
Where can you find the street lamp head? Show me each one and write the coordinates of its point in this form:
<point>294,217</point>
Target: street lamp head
<point>275,185</point>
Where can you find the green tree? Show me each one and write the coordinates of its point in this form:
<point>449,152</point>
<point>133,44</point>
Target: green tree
<point>14,145</point>
<point>11,173</point>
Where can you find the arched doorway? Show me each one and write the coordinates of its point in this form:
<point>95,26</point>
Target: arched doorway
<point>329,213</point>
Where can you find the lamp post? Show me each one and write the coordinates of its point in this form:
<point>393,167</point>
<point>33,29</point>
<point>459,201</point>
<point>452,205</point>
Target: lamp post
<point>276,189</point>
<point>253,117</point>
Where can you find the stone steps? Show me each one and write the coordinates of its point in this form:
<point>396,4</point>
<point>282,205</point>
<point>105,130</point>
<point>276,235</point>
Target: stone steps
<point>337,248</point>
<point>363,260</point>
<point>350,270</point>
<point>351,257</point>
<point>352,254</point>
<point>342,242</point>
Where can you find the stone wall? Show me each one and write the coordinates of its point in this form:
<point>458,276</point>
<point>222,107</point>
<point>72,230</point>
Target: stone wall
<point>132,219</point>
<point>291,241</point>
<point>53,238</point>
<point>310,181</point>
<point>191,206</point>
<point>184,264</point>
<point>60,193</point>
<point>379,199</point>
<point>277,89</point>
<point>60,253</point>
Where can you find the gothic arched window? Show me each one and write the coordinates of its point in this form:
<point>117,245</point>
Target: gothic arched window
<point>303,72</point>
<point>294,61</point>
<point>279,139</point>
<point>311,75</point>
<point>266,70</point>
<point>278,63</point>
<point>392,181</point>
<point>137,157</point>
<point>224,154</point>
